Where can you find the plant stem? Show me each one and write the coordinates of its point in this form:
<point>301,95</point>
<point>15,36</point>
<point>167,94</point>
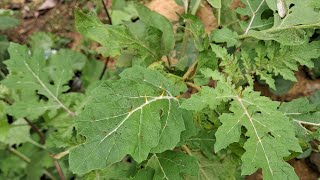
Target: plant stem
<point>187,150</point>
<point>35,129</point>
<point>106,62</point>
<point>198,88</point>
<point>28,160</point>
<point>60,155</point>
<point>196,7</point>
<point>59,170</point>
<point>169,61</point>
<point>105,7</point>
<point>189,71</point>
<point>219,17</point>
<point>254,13</point>
<point>19,154</point>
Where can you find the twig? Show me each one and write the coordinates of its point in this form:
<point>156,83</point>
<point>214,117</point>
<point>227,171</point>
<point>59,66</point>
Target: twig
<point>35,129</point>
<point>28,160</point>
<point>187,150</point>
<point>196,7</point>
<point>105,7</point>
<point>169,61</point>
<point>219,17</point>
<point>189,71</point>
<point>19,154</point>
<point>254,13</point>
<point>106,62</point>
<point>306,123</point>
<point>59,170</point>
<point>60,155</point>
<point>193,85</point>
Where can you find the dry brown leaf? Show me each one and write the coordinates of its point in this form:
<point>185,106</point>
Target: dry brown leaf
<point>167,8</point>
<point>48,4</point>
<point>205,13</point>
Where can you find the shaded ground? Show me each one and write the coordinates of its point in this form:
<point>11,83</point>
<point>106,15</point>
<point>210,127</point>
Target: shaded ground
<point>59,20</point>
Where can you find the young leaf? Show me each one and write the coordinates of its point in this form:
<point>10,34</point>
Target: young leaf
<point>17,133</point>
<point>289,30</point>
<point>31,74</point>
<point>254,9</point>
<point>225,35</point>
<point>159,22</point>
<point>302,112</point>
<point>197,29</point>
<point>277,59</point>
<point>173,165</point>
<point>116,39</point>
<point>270,134</point>
<point>226,168</point>
<point>136,115</point>
<point>7,20</point>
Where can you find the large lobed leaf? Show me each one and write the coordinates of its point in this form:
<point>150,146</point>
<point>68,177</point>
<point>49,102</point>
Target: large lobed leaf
<point>116,39</point>
<point>270,134</point>
<point>136,115</point>
<point>31,74</point>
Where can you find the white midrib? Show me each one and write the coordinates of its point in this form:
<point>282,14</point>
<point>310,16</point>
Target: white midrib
<point>124,120</point>
<point>164,173</point>
<point>134,110</point>
<point>255,130</point>
<point>254,13</point>
<point>48,91</point>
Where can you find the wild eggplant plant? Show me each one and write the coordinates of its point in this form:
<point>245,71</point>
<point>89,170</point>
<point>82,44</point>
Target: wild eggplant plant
<point>183,106</point>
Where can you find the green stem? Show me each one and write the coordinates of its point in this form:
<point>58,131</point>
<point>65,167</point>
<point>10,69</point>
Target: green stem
<point>219,17</point>
<point>195,7</point>
<point>189,71</point>
<point>198,88</point>
<point>28,160</point>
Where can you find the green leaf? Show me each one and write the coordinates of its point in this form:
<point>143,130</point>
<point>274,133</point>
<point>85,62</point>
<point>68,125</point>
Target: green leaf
<point>225,35</point>
<point>270,134</point>
<point>268,59</point>
<point>216,169</point>
<point>158,21</point>
<point>41,40</point>
<point>30,75</point>
<point>142,116</point>
<point>254,9</point>
<point>116,39</point>
<point>17,133</point>
<point>39,161</point>
<point>197,29</point>
<point>204,141</point>
<point>289,30</point>
<point>7,20</point>
<point>228,61</point>
<point>144,174</point>
<point>121,170</point>
<point>173,165</point>
<point>302,112</point>
<point>4,125</point>
<point>215,3</point>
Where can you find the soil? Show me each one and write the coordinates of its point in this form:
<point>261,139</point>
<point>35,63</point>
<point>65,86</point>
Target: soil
<point>59,20</point>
